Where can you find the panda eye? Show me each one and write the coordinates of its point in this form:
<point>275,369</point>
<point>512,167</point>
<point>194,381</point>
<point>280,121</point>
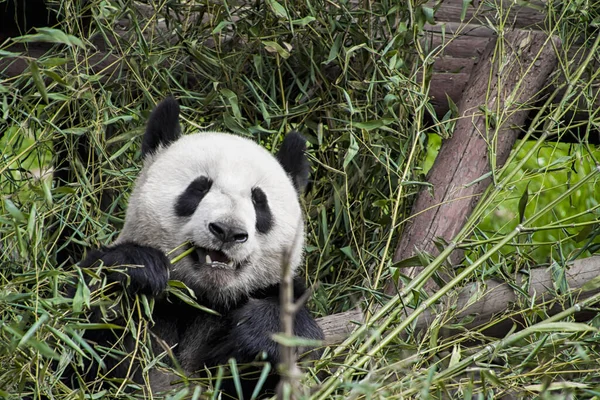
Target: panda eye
<point>264,218</point>
<point>188,201</point>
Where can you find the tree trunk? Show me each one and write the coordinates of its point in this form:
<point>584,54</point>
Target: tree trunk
<point>505,79</point>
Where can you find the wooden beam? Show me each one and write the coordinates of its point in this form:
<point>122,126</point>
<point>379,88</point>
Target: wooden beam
<point>492,298</point>
<point>507,81</point>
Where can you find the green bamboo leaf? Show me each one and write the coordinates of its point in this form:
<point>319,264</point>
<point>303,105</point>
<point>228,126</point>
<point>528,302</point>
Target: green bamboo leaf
<point>55,77</point>
<point>31,221</point>
<point>562,327</point>
<point>304,21</point>
<point>274,47</point>
<point>38,81</point>
<point>232,99</point>
<point>278,9</point>
<point>584,233</point>
<point>463,11</point>
<point>352,151</point>
<point>220,26</point>
<point>33,329</point>
<point>43,349</point>
<point>82,296</point>
<point>13,210</point>
<point>592,284</point>
<point>50,35</point>
<point>68,341</point>
<point>335,49</point>
<point>94,326</point>
<point>370,125</point>
<point>414,261</point>
<point>523,203</point>
<point>428,13</point>
<point>295,341</point>
<point>174,288</point>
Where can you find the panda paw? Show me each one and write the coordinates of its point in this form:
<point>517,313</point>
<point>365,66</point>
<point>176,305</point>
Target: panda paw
<point>146,269</point>
<point>255,323</point>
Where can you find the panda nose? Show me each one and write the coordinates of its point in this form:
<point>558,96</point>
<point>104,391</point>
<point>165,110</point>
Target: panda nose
<point>227,233</point>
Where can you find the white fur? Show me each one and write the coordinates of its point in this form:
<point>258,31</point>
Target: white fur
<point>236,165</point>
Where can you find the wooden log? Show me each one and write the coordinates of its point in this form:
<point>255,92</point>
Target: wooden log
<point>483,301</point>
<point>522,68</point>
<point>517,15</point>
<point>458,48</point>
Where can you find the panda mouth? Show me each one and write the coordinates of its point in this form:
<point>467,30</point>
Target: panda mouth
<point>214,258</point>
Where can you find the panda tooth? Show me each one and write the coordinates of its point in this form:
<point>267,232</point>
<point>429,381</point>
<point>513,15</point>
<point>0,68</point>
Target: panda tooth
<point>230,264</point>
<point>208,259</point>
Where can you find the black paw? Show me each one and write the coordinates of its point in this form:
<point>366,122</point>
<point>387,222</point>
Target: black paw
<point>255,323</point>
<point>145,269</point>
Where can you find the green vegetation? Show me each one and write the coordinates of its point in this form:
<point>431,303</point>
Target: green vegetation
<point>352,77</point>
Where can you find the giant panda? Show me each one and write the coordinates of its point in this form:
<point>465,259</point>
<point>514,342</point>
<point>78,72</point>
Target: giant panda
<point>238,206</point>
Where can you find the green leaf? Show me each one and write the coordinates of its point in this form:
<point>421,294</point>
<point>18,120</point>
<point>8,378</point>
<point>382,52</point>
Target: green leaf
<point>592,284</point>
<point>38,81</point>
<point>175,288</point>
<point>261,381</point>
<point>347,251</point>
<point>348,101</point>
<point>452,108</point>
<point>414,261</point>
<point>51,35</point>
<point>295,341</point>
<point>220,26</point>
<point>335,49</point>
<point>562,327</point>
<point>274,47</point>
<point>463,11</point>
<point>13,210</point>
<point>523,204</point>
<point>55,77</point>
<point>125,118</point>
<point>29,334</point>
<point>455,357</point>
<point>584,233</point>
<point>278,9</point>
<point>31,221</point>
<point>370,125</point>
<point>43,349</point>
<point>7,54</point>
<point>232,99</point>
<point>304,21</point>
<point>82,296</point>
<point>68,341</point>
<point>428,13</point>
<point>352,151</point>
<point>47,189</point>
<point>94,326</point>
<point>53,62</point>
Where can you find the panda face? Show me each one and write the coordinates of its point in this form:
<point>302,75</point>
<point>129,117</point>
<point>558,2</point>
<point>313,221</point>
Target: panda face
<point>231,199</point>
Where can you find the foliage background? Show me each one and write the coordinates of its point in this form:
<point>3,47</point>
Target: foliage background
<point>353,78</point>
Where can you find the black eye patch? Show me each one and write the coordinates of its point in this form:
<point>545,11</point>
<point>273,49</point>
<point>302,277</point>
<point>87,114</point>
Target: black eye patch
<point>264,218</point>
<point>188,201</point>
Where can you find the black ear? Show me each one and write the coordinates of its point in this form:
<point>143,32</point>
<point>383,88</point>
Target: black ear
<point>163,126</point>
<point>292,158</point>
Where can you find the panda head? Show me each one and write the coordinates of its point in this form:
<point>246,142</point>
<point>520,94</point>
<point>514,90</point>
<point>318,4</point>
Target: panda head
<point>234,201</point>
